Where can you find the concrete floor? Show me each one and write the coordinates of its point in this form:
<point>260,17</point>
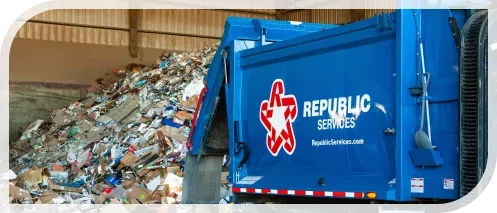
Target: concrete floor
<point>28,103</point>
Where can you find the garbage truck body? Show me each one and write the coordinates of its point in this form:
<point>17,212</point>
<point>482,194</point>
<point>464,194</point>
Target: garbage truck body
<point>383,109</point>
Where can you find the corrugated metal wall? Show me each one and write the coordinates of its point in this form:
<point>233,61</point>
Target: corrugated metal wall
<point>77,46</point>
<point>323,16</point>
<point>87,35</point>
<point>327,16</point>
<point>174,30</point>
<point>209,23</point>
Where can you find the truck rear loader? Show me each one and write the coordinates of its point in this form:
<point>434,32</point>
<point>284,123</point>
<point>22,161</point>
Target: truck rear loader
<point>390,109</point>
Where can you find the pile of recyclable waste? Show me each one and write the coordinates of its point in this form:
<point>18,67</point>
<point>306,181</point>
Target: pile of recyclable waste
<point>124,142</point>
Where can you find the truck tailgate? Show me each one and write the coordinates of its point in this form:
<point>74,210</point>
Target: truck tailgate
<point>315,112</point>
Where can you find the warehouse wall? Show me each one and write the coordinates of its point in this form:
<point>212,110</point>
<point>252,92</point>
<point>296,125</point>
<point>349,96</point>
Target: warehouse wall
<point>93,41</point>
<point>177,30</point>
<point>71,48</point>
<point>67,49</point>
<point>107,32</point>
<point>69,63</point>
<point>327,16</point>
<point>45,75</point>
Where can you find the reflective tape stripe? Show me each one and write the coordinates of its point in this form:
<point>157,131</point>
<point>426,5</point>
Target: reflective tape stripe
<point>299,192</point>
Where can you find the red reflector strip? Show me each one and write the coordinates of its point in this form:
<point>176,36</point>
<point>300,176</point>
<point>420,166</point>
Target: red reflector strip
<point>299,192</point>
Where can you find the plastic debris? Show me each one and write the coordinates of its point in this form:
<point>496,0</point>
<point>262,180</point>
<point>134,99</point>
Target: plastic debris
<point>123,143</point>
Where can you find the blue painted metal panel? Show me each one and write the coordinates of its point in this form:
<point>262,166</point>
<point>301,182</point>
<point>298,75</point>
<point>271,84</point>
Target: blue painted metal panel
<point>406,67</point>
<point>331,68</point>
<point>243,29</point>
<point>442,62</point>
<point>342,88</point>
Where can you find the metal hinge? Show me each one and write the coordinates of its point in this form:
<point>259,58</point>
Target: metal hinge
<point>456,32</point>
<point>225,55</point>
<point>383,22</point>
<point>389,131</point>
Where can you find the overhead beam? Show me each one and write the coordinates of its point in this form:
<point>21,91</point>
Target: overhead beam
<point>249,12</point>
<point>283,12</point>
<point>133,33</point>
<point>123,29</point>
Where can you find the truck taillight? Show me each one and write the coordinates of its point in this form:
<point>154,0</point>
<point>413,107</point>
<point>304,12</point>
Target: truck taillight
<point>371,195</point>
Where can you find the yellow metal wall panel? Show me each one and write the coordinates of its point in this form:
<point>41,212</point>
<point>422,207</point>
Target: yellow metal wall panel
<point>322,16</point>
<point>188,29</point>
<point>331,16</point>
<point>86,35</point>
<point>112,18</point>
<point>69,63</point>
<point>53,32</point>
<point>71,24</point>
<point>202,26</point>
<point>192,22</point>
<point>118,18</point>
<point>173,42</point>
<point>299,15</point>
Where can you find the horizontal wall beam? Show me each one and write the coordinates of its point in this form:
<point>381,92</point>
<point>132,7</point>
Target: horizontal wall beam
<point>123,29</point>
<point>246,11</point>
<point>283,12</point>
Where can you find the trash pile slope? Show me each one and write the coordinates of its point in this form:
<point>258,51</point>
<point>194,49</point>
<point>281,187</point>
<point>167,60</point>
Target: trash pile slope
<point>123,143</point>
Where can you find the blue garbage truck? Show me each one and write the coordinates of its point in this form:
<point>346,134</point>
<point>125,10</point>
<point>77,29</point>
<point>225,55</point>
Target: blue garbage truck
<point>392,108</point>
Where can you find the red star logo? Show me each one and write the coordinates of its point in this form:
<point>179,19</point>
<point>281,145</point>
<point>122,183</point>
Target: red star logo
<point>277,115</point>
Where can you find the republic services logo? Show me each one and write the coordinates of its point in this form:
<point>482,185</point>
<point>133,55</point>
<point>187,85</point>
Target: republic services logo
<point>277,115</point>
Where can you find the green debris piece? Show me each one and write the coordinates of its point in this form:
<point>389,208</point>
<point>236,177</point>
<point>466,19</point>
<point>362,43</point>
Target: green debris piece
<point>142,197</point>
<point>38,146</point>
<point>74,131</point>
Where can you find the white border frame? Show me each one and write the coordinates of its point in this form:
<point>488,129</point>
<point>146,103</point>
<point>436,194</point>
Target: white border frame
<point>11,21</point>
